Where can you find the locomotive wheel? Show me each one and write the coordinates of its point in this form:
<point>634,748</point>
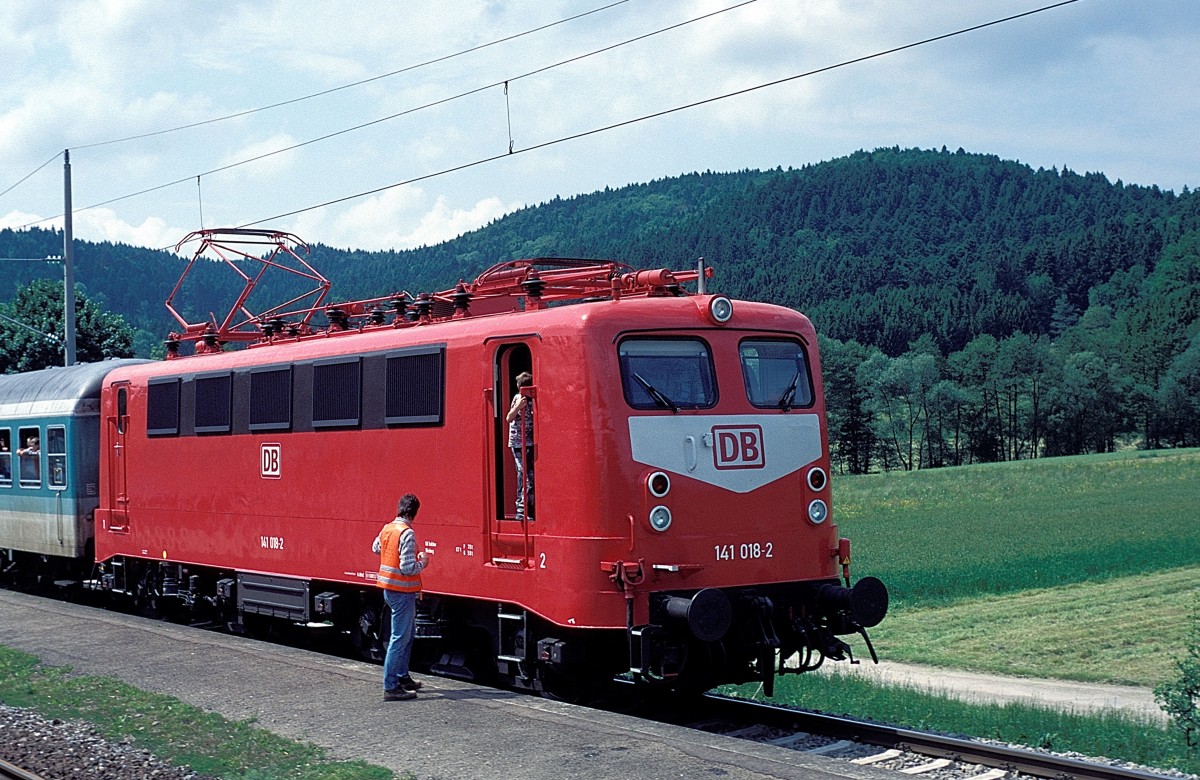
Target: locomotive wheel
<point>560,686</point>
<point>368,635</point>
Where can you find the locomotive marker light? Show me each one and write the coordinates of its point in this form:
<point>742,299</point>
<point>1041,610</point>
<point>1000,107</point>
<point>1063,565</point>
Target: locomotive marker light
<point>659,484</point>
<point>720,309</point>
<point>660,518</point>
<point>817,512</point>
<point>817,479</point>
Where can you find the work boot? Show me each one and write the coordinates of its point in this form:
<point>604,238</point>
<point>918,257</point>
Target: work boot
<point>398,694</point>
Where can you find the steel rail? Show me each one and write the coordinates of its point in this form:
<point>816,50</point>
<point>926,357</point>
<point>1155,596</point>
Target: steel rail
<point>1005,757</point>
<point>13,772</point>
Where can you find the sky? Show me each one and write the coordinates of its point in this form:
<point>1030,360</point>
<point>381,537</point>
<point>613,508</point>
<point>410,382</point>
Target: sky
<point>391,124</point>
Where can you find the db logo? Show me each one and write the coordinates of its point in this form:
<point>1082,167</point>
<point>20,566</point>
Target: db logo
<point>738,447</point>
<point>269,461</point>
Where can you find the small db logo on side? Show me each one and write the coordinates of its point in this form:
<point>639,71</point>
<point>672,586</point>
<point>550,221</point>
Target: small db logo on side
<point>738,447</point>
<point>269,460</point>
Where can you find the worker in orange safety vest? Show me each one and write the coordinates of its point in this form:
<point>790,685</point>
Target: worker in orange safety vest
<point>400,567</point>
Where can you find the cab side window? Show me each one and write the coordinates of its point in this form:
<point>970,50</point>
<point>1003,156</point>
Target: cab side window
<point>5,457</point>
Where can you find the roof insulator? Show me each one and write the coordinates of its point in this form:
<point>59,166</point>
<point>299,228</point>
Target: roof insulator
<point>337,317</point>
<point>424,306</point>
<point>534,286</point>
<point>462,300</point>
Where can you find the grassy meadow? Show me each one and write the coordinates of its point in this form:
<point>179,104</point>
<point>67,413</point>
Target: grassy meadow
<point>1084,568</point>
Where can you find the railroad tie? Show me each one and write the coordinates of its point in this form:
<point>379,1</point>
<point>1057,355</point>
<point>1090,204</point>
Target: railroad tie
<point>791,739</point>
<point>991,774</point>
<point>937,763</point>
<point>875,759</point>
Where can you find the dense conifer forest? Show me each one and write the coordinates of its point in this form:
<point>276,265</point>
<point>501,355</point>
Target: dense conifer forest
<point>972,309</point>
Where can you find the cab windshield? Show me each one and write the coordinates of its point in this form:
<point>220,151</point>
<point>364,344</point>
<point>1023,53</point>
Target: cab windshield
<point>667,373</point>
<point>776,373</point>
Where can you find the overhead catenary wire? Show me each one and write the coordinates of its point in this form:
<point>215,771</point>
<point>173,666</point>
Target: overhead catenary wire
<point>646,117</point>
<point>575,136</point>
<point>408,111</point>
<point>359,83</point>
<point>292,101</point>
<point>31,173</point>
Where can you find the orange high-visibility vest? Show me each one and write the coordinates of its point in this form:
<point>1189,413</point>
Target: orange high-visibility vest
<point>389,561</point>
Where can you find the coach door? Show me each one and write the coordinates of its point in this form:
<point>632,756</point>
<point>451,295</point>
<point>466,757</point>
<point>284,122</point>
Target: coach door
<point>118,429</point>
<point>513,501</point>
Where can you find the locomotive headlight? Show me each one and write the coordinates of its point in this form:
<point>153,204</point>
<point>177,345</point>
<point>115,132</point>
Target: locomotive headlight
<point>720,309</point>
<point>659,484</point>
<point>818,510</point>
<point>660,518</point>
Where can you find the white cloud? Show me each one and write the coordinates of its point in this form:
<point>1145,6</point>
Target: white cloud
<point>442,223</point>
<point>269,161</point>
<point>16,219</point>
<point>399,218</point>
<point>1092,86</point>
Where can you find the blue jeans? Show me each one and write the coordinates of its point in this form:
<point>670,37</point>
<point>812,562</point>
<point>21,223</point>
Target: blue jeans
<point>524,477</point>
<point>404,616</point>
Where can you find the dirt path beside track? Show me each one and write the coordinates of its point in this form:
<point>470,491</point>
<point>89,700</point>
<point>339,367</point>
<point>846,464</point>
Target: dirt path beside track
<point>977,687</point>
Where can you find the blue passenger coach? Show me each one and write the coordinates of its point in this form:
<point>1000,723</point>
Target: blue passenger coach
<point>49,465</point>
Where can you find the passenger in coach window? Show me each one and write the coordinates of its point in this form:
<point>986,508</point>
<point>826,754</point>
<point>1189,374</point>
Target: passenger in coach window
<point>400,567</point>
<point>31,461</point>
<point>520,441</point>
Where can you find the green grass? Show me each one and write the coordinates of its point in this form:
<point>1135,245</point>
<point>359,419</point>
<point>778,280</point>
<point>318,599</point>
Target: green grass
<point>1112,735</point>
<point>168,728</point>
<point>945,535</point>
<point>1127,631</point>
<point>1081,568</point>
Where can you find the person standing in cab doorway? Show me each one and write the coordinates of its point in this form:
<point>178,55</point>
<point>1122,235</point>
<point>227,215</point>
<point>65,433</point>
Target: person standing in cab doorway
<point>400,567</point>
<point>520,441</point>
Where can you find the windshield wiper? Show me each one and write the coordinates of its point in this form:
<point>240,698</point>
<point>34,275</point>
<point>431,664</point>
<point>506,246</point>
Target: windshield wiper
<point>656,394</point>
<point>789,395</point>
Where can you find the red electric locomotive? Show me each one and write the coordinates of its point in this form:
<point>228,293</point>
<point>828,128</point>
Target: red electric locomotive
<point>679,528</point>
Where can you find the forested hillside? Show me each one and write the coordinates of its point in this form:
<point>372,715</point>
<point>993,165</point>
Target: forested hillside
<point>973,308</point>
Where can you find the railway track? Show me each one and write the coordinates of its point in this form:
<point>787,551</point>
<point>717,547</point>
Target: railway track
<point>13,772</point>
<point>916,753</point>
<point>909,752</point>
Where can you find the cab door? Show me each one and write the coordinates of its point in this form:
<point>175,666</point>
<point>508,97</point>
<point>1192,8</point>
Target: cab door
<point>511,540</point>
<point>117,457</point>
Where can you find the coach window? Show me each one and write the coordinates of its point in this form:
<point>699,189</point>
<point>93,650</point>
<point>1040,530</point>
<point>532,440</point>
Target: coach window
<point>667,373</point>
<point>776,373</point>
<point>30,456</point>
<point>5,457</point>
<point>56,455</point>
